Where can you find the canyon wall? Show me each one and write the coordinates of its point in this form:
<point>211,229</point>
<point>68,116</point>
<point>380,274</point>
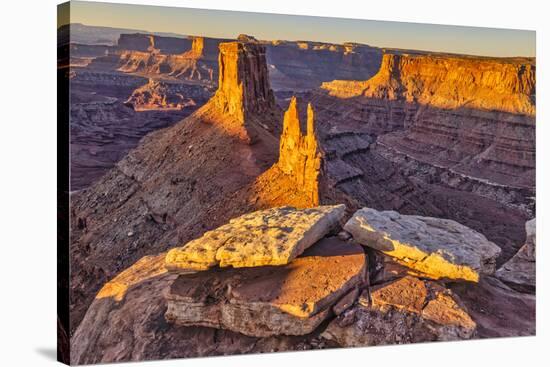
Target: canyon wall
<point>448,82</point>
<point>304,64</point>
<point>296,65</point>
<point>444,136</point>
<point>145,42</point>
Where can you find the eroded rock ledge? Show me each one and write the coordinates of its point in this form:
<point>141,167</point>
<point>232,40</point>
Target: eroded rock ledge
<point>264,301</point>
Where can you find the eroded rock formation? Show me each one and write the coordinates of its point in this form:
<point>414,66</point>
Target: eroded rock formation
<point>266,301</point>
<point>399,151</point>
<point>299,154</point>
<point>403,311</point>
<point>200,165</point>
<point>295,66</point>
<point>147,312</point>
<point>157,95</point>
<point>393,147</point>
<point>192,59</point>
<point>302,65</point>
<point>243,86</point>
<point>436,248</point>
<point>447,82</point>
<point>269,237</point>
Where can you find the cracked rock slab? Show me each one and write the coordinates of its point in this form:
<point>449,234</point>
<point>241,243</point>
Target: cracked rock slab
<point>433,247</point>
<point>268,237</point>
<point>408,310</point>
<point>271,300</point>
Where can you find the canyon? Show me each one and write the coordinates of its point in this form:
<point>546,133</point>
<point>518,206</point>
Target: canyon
<point>175,140</point>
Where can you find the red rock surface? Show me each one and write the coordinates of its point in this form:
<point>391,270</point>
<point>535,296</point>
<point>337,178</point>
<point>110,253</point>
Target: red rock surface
<point>202,165</point>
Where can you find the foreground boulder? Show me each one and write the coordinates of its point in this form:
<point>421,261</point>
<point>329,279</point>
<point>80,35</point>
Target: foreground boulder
<point>269,237</point>
<point>435,248</point>
<point>520,271</point>
<point>264,301</point>
<point>407,310</point>
<point>125,322</point>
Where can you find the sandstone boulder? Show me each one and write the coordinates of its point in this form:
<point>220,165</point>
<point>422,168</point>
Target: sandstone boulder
<point>264,301</point>
<point>520,270</point>
<point>268,237</point>
<point>436,248</point>
<point>407,310</point>
<point>130,325</point>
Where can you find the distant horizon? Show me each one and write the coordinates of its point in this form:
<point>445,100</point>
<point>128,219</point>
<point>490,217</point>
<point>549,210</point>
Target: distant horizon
<point>461,40</point>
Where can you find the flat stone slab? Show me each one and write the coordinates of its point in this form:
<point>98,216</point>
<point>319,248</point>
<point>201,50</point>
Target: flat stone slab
<point>436,248</point>
<point>268,237</point>
<point>407,310</point>
<point>271,300</point>
<point>520,271</point>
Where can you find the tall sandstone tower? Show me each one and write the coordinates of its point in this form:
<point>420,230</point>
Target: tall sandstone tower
<point>299,154</point>
<point>243,87</point>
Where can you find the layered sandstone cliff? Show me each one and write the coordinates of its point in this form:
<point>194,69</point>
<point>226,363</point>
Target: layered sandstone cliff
<point>297,65</point>
<point>193,58</point>
<point>448,82</point>
<point>437,135</point>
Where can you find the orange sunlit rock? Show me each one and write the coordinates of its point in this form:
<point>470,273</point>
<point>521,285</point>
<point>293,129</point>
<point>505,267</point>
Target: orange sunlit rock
<point>447,82</point>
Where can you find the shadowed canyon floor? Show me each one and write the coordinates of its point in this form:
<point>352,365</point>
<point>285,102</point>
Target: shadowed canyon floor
<point>178,141</point>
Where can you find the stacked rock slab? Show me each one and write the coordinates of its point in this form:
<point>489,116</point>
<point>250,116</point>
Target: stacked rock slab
<point>520,271</point>
<point>269,300</point>
<point>269,237</point>
<point>402,311</point>
<point>436,248</point>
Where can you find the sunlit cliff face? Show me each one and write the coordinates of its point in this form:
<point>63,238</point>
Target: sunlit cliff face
<point>447,82</point>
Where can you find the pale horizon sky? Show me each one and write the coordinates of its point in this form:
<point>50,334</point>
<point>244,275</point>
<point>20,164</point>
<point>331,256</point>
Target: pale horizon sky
<point>229,24</point>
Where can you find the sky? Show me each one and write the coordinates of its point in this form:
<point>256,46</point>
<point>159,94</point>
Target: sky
<point>228,24</point>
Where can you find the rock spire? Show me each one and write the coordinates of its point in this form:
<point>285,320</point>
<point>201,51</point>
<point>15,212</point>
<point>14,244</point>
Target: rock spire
<point>299,154</point>
<point>243,86</point>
